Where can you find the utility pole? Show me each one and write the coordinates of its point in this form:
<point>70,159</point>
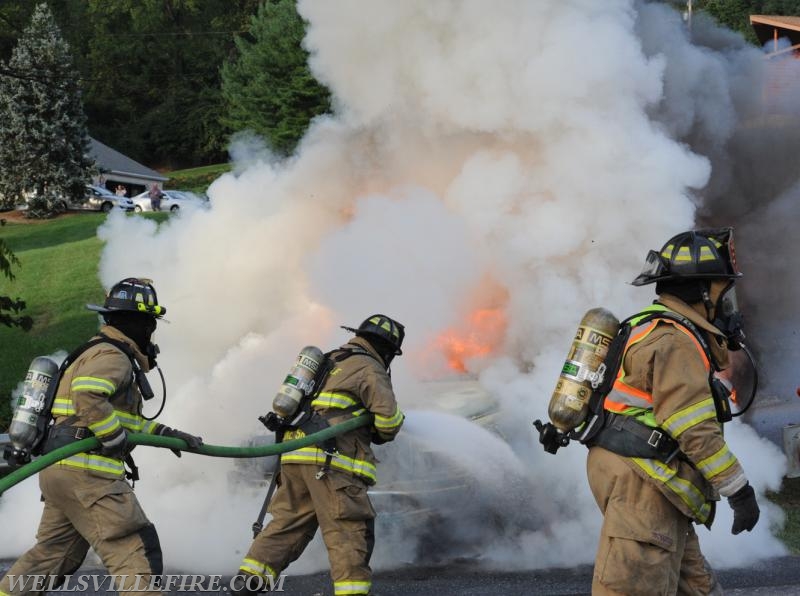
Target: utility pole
<point>689,15</point>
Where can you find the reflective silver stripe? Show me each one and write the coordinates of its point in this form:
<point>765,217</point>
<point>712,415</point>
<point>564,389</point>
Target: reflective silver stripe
<point>149,427</point>
<point>685,419</point>
<point>685,490</point>
<point>316,456</point>
<point>328,399</point>
<point>105,427</point>
<point>63,406</point>
<point>93,385</point>
<point>717,463</point>
<point>97,463</point>
<point>628,399</point>
<point>115,441</point>
<point>351,587</point>
<point>389,422</point>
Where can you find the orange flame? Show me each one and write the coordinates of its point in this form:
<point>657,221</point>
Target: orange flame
<point>484,333</point>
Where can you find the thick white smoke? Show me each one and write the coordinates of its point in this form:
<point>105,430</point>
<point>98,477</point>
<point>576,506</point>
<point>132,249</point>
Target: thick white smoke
<point>523,157</point>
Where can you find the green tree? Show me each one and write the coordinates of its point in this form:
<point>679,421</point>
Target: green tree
<point>735,14</point>
<point>44,143</point>
<point>11,308</point>
<point>269,87</point>
<point>153,76</point>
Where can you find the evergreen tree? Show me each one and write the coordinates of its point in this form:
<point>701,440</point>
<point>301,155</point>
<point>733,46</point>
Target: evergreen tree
<point>10,308</point>
<point>44,144</point>
<point>269,88</point>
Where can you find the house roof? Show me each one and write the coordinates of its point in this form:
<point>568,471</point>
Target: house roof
<point>765,27</point>
<point>113,162</point>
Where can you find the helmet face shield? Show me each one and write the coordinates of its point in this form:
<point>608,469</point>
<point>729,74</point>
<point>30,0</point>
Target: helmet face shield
<point>654,267</point>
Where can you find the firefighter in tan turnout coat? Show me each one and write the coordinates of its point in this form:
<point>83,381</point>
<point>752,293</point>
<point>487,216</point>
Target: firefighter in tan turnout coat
<point>661,462</point>
<point>87,501</point>
<point>327,488</point>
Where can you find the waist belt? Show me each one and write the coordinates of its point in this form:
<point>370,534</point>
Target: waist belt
<point>626,436</point>
<point>62,435</point>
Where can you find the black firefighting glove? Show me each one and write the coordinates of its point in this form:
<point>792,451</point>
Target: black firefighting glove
<point>745,509</point>
<point>191,440</point>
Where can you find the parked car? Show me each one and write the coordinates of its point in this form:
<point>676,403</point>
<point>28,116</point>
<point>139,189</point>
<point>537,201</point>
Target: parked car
<point>172,200</point>
<point>99,198</point>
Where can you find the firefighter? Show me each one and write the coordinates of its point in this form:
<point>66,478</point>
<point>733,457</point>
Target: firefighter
<point>326,486</point>
<point>87,501</point>
<point>661,462</point>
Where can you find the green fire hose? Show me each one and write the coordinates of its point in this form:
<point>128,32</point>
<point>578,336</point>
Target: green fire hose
<point>44,461</point>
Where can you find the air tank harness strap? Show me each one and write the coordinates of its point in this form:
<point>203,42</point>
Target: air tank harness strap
<point>626,436</point>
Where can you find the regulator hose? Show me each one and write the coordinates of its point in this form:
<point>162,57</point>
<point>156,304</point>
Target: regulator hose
<point>56,455</point>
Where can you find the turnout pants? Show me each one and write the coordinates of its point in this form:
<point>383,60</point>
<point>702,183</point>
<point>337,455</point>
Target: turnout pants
<point>80,511</point>
<point>338,504</point>
<point>647,546</point>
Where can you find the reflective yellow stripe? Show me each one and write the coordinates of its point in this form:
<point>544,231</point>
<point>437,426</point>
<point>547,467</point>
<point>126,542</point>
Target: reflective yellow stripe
<point>258,568</point>
<point>328,399</point>
<point>351,587</point>
<point>684,419</point>
<point>717,463</point>
<point>316,456</point>
<point>130,421</point>
<point>106,426</point>
<point>684,489</point>
<point>93,385</point>
<point>389,422</point>
<point>149,427</point>
<point>63,406</point>
<point>98,463</point>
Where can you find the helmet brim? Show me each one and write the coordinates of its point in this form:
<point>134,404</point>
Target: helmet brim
<point>105,310</point>
<point>644,279</point>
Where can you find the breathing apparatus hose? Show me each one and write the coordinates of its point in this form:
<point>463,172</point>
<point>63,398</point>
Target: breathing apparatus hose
<point>56,455</point>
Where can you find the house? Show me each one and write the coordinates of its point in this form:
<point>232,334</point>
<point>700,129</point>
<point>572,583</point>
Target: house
<point>117,169</point>
<point>780,38</point>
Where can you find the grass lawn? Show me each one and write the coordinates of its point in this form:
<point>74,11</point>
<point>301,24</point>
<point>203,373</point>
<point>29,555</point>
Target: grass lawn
<point>196,179</point>
<point>789,500</point>
<point>57,277</point>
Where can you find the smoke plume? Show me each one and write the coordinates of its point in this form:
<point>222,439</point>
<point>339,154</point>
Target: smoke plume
<point>520,159</point>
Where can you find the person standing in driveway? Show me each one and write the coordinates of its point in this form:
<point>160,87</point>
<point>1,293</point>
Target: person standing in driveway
<point>155,194</point>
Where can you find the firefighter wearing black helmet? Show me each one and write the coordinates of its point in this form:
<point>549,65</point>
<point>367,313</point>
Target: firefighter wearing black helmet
<point>660,462</point>
<point>87,501</point>
<point>327,487</point>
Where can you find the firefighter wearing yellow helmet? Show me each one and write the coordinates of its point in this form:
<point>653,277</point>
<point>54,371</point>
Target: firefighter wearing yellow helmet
<point>87,501</point>
<point>660,462</point>
<point>326,486</point>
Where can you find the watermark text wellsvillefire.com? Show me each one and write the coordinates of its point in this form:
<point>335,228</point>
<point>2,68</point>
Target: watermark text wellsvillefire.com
<point>138,583</point>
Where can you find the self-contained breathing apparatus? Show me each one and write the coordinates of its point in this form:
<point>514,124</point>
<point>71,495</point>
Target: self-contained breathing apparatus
<point>32,431</point>
<point>295,399</point>
<point>624,434</point>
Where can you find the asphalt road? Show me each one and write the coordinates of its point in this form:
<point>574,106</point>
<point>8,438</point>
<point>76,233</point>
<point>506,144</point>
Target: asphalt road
<point>774,577</point>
